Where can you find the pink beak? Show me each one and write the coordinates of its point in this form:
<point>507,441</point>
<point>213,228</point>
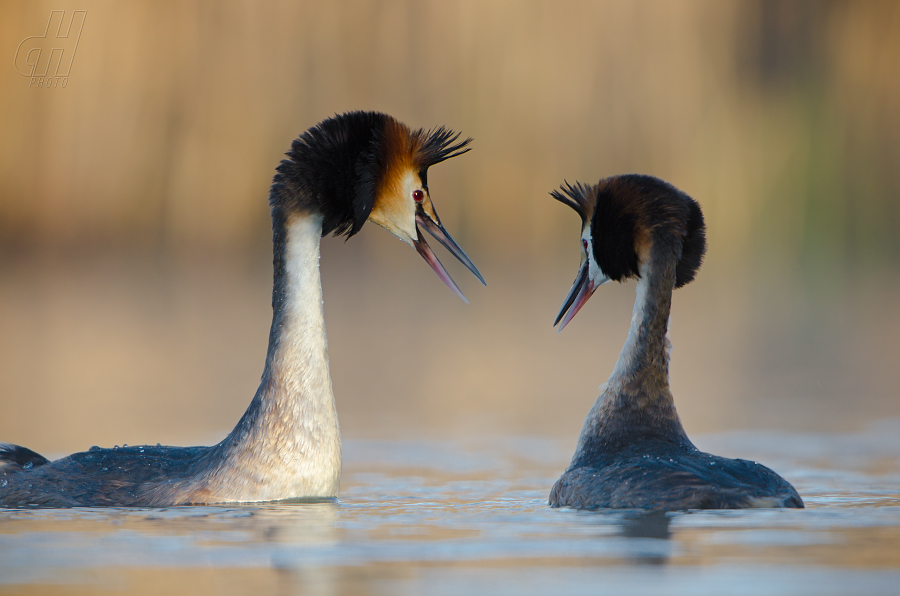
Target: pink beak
<point>438,231</point>
<point>582,289</point>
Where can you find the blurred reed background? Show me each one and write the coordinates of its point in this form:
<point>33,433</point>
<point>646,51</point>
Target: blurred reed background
<point>135,244</point>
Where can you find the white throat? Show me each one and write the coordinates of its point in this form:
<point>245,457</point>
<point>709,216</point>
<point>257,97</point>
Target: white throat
<point>303,394</point>
<point>303,344</point>
<point>288,443</point>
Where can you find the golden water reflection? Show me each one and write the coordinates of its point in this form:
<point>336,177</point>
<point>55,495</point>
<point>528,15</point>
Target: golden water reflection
<point>407,526</point>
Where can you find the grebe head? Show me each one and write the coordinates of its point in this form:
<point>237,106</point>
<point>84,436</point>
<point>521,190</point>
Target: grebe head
<point>368,166</point>
<point>622,218</point>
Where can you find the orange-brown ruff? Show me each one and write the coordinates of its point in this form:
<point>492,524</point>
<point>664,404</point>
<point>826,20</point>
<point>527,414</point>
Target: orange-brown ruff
<point>339,174</point>
<point>633,451</point>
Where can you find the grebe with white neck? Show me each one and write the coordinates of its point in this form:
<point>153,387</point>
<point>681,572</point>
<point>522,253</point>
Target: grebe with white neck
<point>349,169</point>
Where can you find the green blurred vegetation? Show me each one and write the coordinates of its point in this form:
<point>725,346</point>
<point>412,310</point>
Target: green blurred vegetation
<point>781,117</point>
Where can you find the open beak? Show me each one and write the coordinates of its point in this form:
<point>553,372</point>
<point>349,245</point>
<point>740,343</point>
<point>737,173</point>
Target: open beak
<point>582,289</point>
<point>441,235</point>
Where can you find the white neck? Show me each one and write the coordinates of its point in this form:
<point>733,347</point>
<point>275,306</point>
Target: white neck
<point>288,445</point>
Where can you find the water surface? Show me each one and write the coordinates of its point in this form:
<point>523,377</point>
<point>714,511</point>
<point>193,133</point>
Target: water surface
<point>470,516</point>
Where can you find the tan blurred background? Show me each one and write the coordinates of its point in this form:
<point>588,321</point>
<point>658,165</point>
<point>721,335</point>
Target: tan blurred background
<point>135,264</point>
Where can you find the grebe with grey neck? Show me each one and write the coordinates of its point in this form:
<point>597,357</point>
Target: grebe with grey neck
<point>349,169</point>
<point>633,451</point>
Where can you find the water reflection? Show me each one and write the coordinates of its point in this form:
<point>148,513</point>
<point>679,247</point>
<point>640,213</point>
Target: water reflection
<point>651,524</point>
<point>452,517</point>
<point>652,530</point>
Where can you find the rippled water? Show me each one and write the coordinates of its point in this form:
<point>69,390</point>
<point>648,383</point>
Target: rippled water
<point>470,516</point>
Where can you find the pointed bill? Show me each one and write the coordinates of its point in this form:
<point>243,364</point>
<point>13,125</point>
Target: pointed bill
<point>423,249</point>
<point>581,290</point>
<point>441,235</point>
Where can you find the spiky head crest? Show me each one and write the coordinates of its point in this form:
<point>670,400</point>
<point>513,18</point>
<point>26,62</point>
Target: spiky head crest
<point>578,196</point>
<point>343,165</point>
<point>629,213</point>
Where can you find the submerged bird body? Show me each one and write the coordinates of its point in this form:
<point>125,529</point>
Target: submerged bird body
<point>346,170</point>
<point>633,451</point>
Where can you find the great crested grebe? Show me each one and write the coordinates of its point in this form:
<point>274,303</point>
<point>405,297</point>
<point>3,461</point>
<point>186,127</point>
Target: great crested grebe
<point>342,172</point>
<point>633,451</point>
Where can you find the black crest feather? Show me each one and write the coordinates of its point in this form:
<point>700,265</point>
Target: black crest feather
<point>613,233</point>
<point>578,196</point>
<point>437,145</point>
<point>693,246</point>
<point>333,169</point>
<point>619,206</point>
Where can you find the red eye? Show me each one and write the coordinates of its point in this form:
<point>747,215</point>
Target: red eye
<point>418,195</point>
<point>584,244</point>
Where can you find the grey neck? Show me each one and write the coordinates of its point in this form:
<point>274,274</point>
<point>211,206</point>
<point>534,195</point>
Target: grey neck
<point>645,355</point>
<point>637,404</point>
